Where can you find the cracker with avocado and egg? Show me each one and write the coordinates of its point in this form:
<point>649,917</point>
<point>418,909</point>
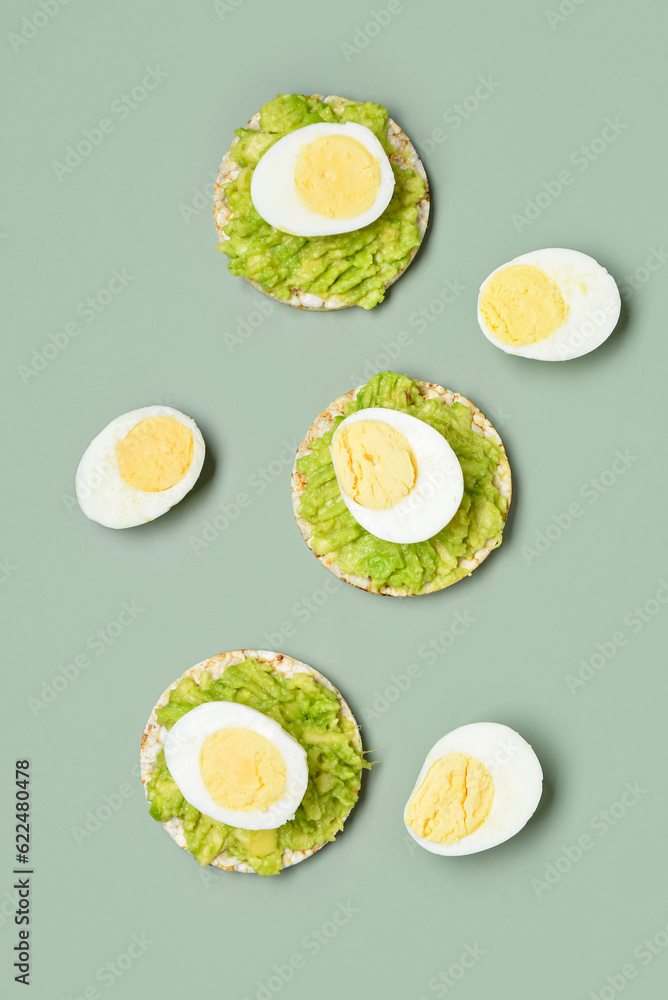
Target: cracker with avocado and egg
<point>355,189</point>
<point>401,487</point>
<point>264,743</point>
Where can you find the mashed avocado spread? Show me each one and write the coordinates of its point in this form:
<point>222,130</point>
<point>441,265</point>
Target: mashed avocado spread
<point>351,268</point>
<point>411,566</point>
<point>311,713</point>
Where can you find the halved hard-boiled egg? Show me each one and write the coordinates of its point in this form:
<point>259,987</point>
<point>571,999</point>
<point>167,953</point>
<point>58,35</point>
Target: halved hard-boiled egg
<point>323,179</point>
<point>552,305</point>
<point>479,785</point>
<point>237,766</point>
<point>398,477</point>
<point>139,466</point>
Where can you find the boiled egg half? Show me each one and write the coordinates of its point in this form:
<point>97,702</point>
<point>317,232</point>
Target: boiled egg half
<point>398,476</point>
<point>139,466</point>
<point>323,179</point>
<point>236,765</point>
<point>552,305</point>
<point>479,785</point>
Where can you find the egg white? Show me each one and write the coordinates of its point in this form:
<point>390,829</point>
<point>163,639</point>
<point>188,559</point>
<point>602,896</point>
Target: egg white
<point>439,484</point>
<point>183,748</point>
<point>592,297</point>
<point>275,196</point>
<point>517,777</point>
<point>107,498</point>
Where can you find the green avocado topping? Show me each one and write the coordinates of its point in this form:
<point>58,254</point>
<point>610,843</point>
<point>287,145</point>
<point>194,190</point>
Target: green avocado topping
<point>309,712</point>
<point>351,268</point>
<point>413,566</point>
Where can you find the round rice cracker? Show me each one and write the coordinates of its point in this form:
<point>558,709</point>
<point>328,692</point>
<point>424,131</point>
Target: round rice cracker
<point>154,735</point>
<point>404,153</point>
<point>479,423</point>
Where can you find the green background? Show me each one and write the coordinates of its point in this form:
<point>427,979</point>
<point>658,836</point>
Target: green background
<point>162,339</point>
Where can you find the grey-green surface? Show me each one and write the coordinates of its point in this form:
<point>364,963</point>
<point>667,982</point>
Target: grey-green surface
<point>407,915</point>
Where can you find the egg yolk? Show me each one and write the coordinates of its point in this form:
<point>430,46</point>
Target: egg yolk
<point>453,800</point>
<point>242,769</point>
<point>156,454</point>
<point>522,305</point>
<point>337,177</point>
<point>374,463</point>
